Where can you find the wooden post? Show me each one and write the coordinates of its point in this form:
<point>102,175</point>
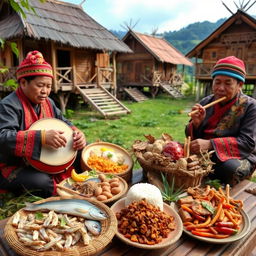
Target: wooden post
<point>197,84</point>
<point>20,47</point>
<point>73,63</point>
<point>114,74</point>
<point>53,54</point>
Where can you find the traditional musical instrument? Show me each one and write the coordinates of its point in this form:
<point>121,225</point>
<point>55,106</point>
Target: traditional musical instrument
<point>208,105</point>
<point>54,160</point>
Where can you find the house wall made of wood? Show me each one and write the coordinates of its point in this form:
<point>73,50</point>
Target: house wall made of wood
<point>238,40</point>
<point>85,65</point>
<point>133,68</point>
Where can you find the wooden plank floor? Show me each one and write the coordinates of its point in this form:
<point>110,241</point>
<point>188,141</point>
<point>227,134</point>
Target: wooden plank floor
<point>185,246</point>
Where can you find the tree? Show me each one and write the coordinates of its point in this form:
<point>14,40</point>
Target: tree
<point>17,7</point>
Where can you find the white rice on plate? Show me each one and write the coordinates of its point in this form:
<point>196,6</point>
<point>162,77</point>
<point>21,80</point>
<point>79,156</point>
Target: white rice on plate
<point>147,191</point>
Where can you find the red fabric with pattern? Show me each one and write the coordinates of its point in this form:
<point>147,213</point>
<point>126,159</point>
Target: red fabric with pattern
<point>213,121</point>
<point>226,148</point>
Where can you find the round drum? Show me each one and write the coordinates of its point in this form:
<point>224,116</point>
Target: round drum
<point>54,160</point>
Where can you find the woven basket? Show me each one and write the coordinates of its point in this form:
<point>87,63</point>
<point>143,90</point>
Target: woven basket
<point>109,227</point>
<point>183,178</point>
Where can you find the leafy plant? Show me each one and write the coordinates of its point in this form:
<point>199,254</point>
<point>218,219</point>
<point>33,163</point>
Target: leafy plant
<point>11,204</point>
<point>69,113</point>
<point>169,193</point>
<point>214,183</point>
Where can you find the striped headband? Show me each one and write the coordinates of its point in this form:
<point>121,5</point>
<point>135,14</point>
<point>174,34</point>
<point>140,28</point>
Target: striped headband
<point>230,66</point>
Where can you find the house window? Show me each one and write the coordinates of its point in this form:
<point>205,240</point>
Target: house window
<point>214,55</point>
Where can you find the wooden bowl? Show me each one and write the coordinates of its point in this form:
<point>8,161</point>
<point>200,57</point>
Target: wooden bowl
<point>96,244</point>
<point>126,175</point>
<point>172,237</point>
<point>66,193</point>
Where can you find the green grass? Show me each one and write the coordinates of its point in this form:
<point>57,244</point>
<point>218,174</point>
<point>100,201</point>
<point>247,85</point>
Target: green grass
<point>156,116</point>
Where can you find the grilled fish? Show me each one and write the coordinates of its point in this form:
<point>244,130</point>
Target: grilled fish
<point>75,207</point>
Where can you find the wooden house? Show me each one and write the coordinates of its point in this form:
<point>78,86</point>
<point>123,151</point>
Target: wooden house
<point>236,36</point>
<point>152,64</point>
<point>81,51</point>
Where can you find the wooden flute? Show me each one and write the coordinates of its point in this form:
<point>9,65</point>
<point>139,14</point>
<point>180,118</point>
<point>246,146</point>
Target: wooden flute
<point>208,105</point>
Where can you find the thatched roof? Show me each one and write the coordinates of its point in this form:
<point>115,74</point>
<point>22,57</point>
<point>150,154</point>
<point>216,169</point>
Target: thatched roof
<point>60,22</point>
<point>161,49</point>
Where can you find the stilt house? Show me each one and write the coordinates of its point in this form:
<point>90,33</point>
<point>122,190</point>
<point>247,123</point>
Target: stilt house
<point>152,64</point>
<point>236,36</point>
<point>81,51</point>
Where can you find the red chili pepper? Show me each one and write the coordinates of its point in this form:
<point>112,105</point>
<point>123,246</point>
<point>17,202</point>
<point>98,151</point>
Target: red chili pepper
<point>226,230</point>
<point>228,206</point>
<point>225,224</point>
<point>199,217</point>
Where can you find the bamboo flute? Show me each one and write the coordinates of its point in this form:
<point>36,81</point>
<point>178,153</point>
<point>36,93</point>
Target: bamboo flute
<point>208,105</point>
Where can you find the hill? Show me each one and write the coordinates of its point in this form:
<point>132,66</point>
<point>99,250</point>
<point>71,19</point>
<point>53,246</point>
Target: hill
<point>188,37</point>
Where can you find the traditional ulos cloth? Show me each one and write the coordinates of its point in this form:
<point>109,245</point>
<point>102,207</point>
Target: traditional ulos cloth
<point>231,128</point>
<point>17,114</point>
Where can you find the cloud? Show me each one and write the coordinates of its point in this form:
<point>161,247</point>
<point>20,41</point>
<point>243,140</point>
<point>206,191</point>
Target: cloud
<point>166,15</point>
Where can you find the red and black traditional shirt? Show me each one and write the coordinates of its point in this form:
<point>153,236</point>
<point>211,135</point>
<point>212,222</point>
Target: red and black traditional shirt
<point>231,127</point>
<point>17,114</point>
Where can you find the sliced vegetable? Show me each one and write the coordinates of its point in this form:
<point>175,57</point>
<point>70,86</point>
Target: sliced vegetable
<point>226,230</point>
<point>207,234</point>
<point>208,207</point>
<point>39,215</point>
<point>225,224</point>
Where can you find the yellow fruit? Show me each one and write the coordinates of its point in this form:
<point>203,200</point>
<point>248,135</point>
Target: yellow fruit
<point>78,177</point>
<point>106,149</point>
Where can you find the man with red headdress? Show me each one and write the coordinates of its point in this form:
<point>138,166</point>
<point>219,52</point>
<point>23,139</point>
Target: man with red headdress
<point>18,111</point>
<point>229,127</point>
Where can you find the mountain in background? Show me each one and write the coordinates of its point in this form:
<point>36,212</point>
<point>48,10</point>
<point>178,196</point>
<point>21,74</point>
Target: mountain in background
<point>186,38</point>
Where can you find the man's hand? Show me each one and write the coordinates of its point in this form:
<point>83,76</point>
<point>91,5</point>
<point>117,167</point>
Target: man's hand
<point>79,140</point>
<point>55,139</point>
<point>198,117</point>
<point>200,145</point>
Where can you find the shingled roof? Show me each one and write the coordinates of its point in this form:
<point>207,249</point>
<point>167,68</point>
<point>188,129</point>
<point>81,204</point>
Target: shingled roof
<point>161,49</point>
<point>61,22</point>
<point>239,16</point>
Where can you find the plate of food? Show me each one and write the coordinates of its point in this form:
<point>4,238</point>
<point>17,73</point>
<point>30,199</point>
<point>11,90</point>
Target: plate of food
<point>91,184</point>
<point>56,226</point>
<point>212,215</point>
<point>107,158</point>
<point>144,221</point>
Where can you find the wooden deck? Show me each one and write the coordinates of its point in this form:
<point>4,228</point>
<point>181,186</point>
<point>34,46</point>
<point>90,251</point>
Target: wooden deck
<point>185,246</point>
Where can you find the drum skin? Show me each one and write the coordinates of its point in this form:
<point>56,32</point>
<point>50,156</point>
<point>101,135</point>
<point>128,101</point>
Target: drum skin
<point>51,160</point>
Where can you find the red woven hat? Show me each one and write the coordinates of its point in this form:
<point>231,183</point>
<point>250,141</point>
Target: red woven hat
<point>230,66</point>
<point>34,65</point>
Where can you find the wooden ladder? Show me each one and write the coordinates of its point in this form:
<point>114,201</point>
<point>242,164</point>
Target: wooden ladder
<point>135,94</point>
<point>171,91</point>
<point>103,101</point>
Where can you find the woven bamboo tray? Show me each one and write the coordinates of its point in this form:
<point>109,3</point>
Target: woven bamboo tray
<point>126,175</point>
<point>109,227</point>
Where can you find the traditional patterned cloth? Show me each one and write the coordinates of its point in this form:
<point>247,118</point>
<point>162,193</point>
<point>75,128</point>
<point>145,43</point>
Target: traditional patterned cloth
<point>16,142</point>
<point>34,65</point>
<point>230,66</point>
<point>230,127</point>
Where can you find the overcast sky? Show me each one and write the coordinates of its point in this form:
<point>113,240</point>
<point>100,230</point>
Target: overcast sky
<point>165,15</point>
